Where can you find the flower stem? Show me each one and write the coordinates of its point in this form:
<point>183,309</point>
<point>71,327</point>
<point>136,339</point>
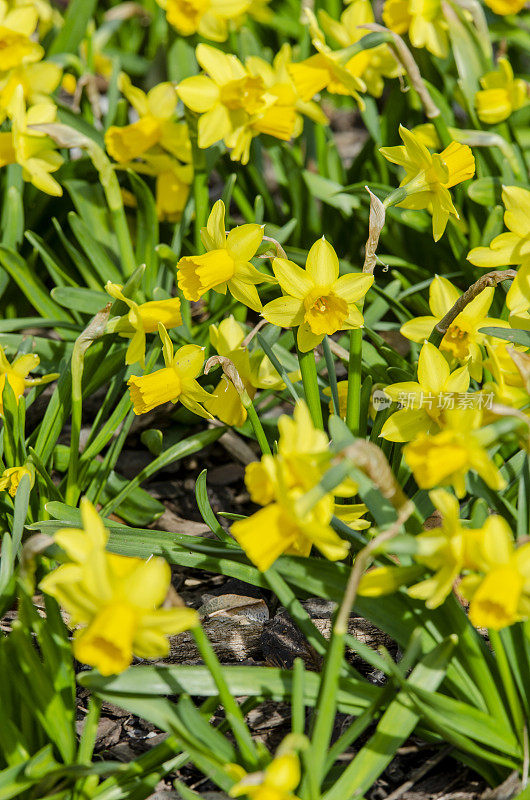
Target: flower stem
<point>258,429</point>
<point>353,402</point>
<point>200,183</point>
<point>308,368</point>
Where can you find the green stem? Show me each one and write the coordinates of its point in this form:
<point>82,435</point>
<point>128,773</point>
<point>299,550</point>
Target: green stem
<point>258,429</point>
<point>233,712</point>
<point>200,187</point>
<point>332,376</point>
<point>308,368</point>
<point>353,402</point>
<point>297,697</point>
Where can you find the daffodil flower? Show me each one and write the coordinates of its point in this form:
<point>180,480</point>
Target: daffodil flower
<point>208,18</point>
<point>422,19</point>
<point>141,319</point>
<point>518,298</point>
<point>113,601</point>
<point>429,176</point>
<point>445,458</point>
<point>512,247</point>
<point>38,82</point>
<point>327,69</point>
<point>254,369</point>
<point>17,26</point>
<point>279,82</point>
<point>16,374</point>
<point>279,483</point>
<point>276,782</point>
<point>234,105</point>
<point>315,298</point>
<point>507,386</point>
<point>10,479</point>
<point>499,589</point>
<point>372,65</point>
<point>425,414</point>
<point>503,7</point>
<point>25,145</point>
<point>174,383</point>
<point>463,338</point>
<point>501,94</point>
<point>156,125</point>
<point>226,264</point>
<point>173,181</point>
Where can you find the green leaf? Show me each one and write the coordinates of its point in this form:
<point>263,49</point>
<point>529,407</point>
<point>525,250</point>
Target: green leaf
<point>87,301</point>
<point>74,27</point>
<point>513,335</point>
<point>331,193</point>
<point>31,286</point>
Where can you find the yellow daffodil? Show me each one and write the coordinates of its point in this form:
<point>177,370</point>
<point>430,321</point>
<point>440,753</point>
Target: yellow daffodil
<point>462,340</point>
<point>234,105</point>
<point>371,66</point>
<point>174,383</point>
<point>518,297</point>
<point>226,264</point>
<point>501,94</point>
<point>38,82</point>
<point>113,601</point>
<point>507,386</point>
<point>315,298</point>
<point>17,26</point>
<point>512,247</point>
<point>10,479</point>
<point>425,399</point>
<point>16,374</point>
<point>278,82</point>
<point>503,7</point>
<point>499,590</point>
<point>173,181</point>
<point>422,19</point>
<point>276,782</point>
<point>208,18</point>
<point>328,69</point>
<point>142,319</point>
<point>279,483</point>
<point>444,550</point>
<point>445,458</point>
<point>254,369</point>
<point>429,176</point>
<point>156,125</point>
<point>47,15</point>
<point>33,150</point>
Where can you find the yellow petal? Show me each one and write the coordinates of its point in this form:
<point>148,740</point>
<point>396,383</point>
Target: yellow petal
<point>293,280</point>
<point>442,296</point>
<point>243,241</point>
<point>322,264</point>
<point>214,126</point>
<point>404,425</point>
<point>285,312</point>
<point>433,369</point>
<point>199,93</point>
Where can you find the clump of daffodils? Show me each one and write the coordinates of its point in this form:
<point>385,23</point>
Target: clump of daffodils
<point>113,602</point>
<point>285,523</point>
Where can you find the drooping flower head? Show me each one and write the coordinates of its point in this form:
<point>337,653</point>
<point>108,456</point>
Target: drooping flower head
<point>10,479</point>
<point>209,18</point>
<point>501,94</point>
<point>226,264</point>
<point>315,298</point>
<point>16,374</point>
<point>445,458</point>
<point>113,601</point>
<point>512,247</point>
<point>142,319</point>
<point>176,382</point>
<point>429,176</point>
